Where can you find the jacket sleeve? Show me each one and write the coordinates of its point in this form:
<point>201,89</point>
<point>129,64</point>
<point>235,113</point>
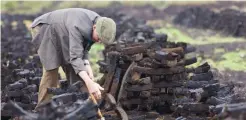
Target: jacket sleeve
<point>76,49</point>
<point>78,24</point>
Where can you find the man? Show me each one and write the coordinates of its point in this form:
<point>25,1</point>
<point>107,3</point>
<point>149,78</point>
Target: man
<point>63,38</point>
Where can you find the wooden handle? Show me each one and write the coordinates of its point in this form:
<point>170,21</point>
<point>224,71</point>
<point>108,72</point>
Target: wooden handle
<point>95,102</point>
<point>176,50</point>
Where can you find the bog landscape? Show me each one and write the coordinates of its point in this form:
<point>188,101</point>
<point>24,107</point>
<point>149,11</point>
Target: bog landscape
<point>170,61</point>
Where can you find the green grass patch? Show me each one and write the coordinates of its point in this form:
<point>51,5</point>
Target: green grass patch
<point>184,3</point>
<point>219,39</point>
<point>156,4</point>
<point>95,54</point>
<point>163,4</point>
<point>177,35</point>
<point>235,60</point>
<point>83,4</point>
<point>25,7</point>
<point>32,7</point>
<point>219,50</point>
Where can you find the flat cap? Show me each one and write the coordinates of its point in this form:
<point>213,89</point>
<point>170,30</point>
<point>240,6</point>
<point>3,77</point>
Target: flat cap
<point>106,29</point>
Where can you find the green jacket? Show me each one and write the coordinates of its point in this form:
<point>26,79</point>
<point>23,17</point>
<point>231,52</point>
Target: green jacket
<point>65,37</point>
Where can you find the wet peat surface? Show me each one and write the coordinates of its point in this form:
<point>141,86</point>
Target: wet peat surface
<point>231,21</point>
<point>15,56</point>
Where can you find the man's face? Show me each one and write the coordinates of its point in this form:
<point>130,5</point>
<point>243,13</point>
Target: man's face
<point>95,35</point>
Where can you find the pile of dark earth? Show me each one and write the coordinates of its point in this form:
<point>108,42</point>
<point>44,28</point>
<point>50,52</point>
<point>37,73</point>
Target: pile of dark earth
<point>67,103</point>
<point>228,21</point>
<point>18,60</point>
<point>20,67</point>
<point>22,71</point>
<point>145,72</point>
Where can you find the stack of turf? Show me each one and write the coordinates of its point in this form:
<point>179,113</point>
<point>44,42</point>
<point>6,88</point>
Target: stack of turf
<point>146,72</point>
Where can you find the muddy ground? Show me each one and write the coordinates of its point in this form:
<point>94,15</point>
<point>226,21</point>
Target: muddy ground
<point>169,13</point>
